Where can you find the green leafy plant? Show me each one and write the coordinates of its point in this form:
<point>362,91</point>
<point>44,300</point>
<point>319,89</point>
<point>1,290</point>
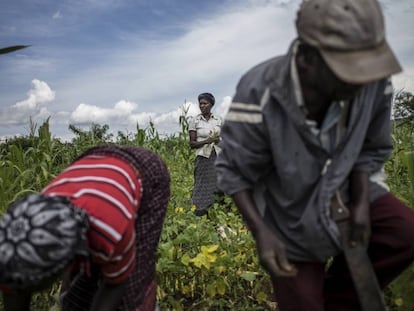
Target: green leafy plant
<point>206,263</point>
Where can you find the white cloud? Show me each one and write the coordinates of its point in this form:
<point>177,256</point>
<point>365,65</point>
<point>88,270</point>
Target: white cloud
<point>213,53</point>
<point>220,108</point>
<point>85,113</point>
<point>224,106</point>
<point>33,107</point>
<point>153,76</point>
<point>123,115</point>
<point>404,81</point>
<point>142,119</point>
<point>168,123</point>
<point>38,95</point>
<point>124,107</point>
<point>264,2</point>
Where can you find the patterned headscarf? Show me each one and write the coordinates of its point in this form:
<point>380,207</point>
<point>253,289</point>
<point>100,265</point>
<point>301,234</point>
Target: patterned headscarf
<point>208,97</point>
<point>39,236</point>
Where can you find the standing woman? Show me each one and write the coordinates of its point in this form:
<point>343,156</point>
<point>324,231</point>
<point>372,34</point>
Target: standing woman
<point>204,132</point>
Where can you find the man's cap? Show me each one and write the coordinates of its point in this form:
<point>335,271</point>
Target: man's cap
<point>350,36</point>
<point>208,97</point>
<point>39,236</point>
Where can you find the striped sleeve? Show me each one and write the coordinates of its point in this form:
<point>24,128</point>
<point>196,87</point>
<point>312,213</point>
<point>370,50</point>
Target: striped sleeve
<point>116,268</point>
<point>109,189</point>
<point>248,113</point>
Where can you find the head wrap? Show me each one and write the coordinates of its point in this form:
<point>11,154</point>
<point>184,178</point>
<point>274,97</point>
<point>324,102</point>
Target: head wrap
<point>208,97</point>
<point>39,236</point>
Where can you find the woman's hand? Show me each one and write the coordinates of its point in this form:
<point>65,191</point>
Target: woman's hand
<point>213,139</point>
<point>198,144</point>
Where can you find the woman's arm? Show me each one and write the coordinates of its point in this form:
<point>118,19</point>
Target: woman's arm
<point>194,144</point>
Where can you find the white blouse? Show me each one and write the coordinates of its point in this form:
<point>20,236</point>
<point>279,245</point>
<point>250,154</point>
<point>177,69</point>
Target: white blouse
<point>206,128</point>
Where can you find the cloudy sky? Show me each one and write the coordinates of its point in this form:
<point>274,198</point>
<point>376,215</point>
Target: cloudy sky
<point>120,62</point>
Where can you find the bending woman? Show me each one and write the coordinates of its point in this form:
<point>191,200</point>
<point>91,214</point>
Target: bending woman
<point>204,132</point>
<point>99,221</point>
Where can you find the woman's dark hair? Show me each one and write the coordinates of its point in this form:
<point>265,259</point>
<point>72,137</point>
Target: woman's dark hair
<point>208,97</point>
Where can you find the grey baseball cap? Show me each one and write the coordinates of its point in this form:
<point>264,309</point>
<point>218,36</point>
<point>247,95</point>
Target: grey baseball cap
<point>350,36</point>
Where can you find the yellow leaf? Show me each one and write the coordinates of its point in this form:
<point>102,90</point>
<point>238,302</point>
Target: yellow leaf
<point>179,210</point>
<point>200,260</point>
<point>210,249</point>
<point>211,258</point>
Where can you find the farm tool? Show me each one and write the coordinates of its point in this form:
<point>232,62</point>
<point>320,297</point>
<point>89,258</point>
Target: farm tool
<point>359,264</point>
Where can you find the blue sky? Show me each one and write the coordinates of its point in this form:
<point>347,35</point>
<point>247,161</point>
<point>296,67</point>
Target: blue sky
<point>121,62</point>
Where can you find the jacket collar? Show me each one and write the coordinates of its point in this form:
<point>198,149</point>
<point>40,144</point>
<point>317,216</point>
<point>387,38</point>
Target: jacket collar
<point>281,86</point>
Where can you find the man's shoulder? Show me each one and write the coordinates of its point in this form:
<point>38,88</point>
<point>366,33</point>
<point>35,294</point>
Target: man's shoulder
<point>263,69</point>
<point>258,78</point>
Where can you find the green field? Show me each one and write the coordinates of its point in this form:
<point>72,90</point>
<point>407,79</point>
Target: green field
<point>206,263</point>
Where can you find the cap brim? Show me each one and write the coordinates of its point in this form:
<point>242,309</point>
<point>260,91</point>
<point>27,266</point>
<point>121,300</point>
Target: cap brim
<point>359,67</point>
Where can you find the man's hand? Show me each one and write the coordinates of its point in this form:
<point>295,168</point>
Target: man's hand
<point>360,224</point>
<point>272,254</point>
<point>271,250</point>
<point>360,214</point>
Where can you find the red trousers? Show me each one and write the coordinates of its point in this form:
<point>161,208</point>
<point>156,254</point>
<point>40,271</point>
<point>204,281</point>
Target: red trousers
<point>391,250</point>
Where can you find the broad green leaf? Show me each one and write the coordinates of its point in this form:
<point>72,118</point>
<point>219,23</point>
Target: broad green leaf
<point>220,286</point>
<point>211,290</point>
<point>185,259</point>
<point>248,276</point>
<point>261,296</point>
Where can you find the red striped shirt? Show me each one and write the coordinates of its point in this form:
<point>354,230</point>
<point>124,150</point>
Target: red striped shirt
<point>110,191</point>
